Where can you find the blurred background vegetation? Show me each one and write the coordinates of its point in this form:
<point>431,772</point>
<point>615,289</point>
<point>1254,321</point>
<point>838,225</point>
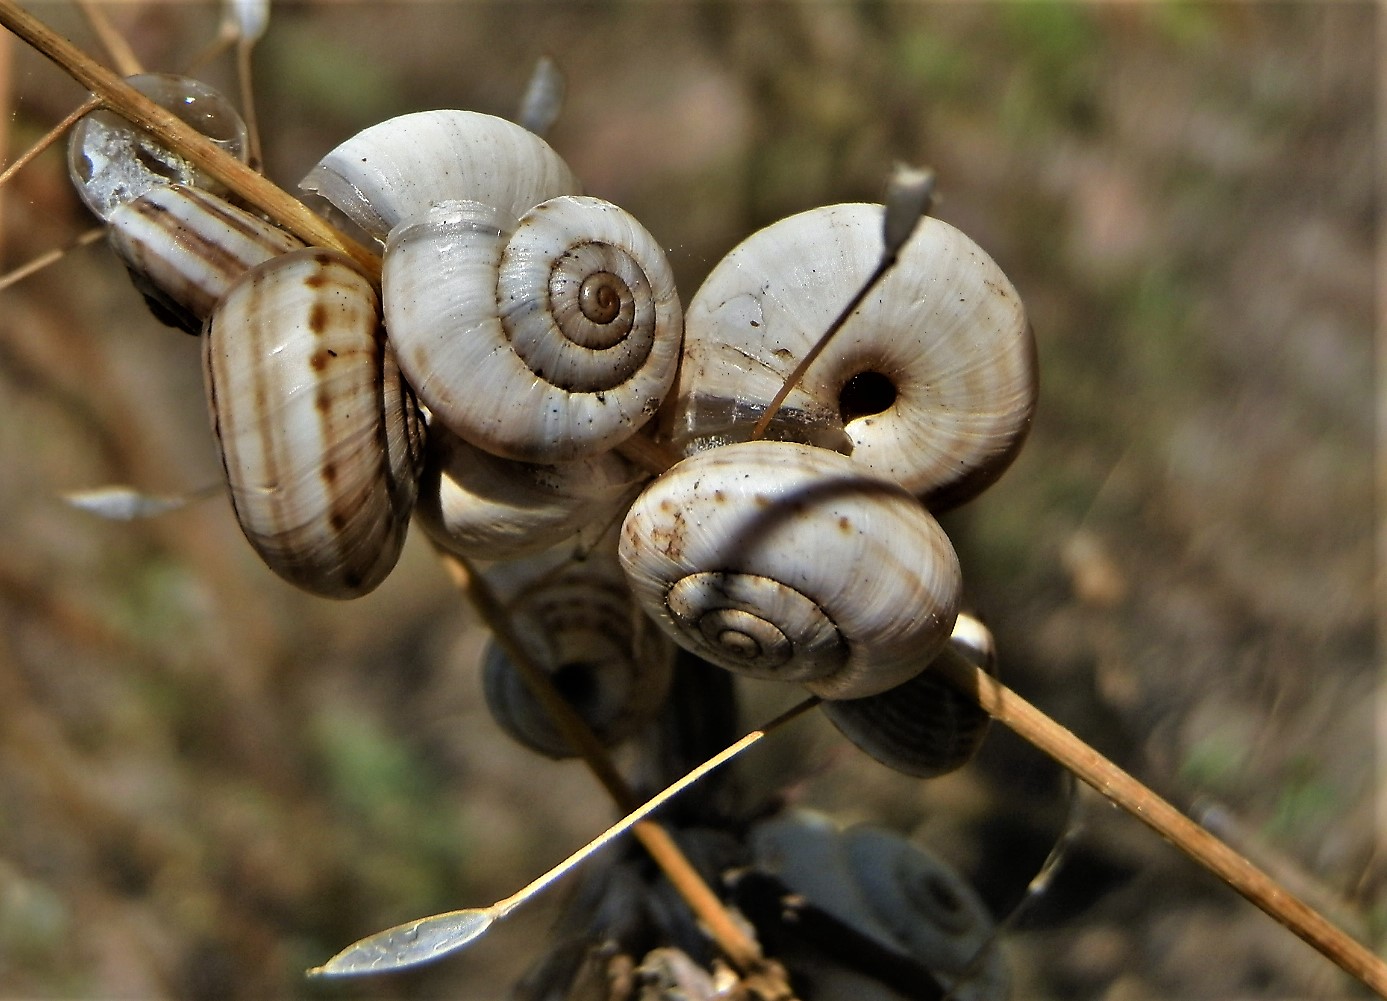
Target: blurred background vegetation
<point>209,781</point>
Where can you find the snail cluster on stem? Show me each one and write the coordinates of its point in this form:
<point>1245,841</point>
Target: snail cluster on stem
<point>524,331</point>
<point>521,334</point>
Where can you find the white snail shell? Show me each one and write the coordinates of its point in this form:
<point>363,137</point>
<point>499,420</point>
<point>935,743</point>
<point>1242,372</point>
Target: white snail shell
<point>923,727</point>
<point>319,435</point>
<point>933,377</point>
<point>784,561</point>
<point>582,626</point>
<point>542,339</point>
<point>394,171</point>
<point>185,247</point>
<point>482,506</point>
<point>889,889</point>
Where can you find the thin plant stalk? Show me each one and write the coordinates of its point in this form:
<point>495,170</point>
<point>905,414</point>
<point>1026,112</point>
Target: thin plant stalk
<point>429,938</point>
<point>741,948</point>
<point>1115,785</point>
<point>118,96</point>
<point>123,57</point>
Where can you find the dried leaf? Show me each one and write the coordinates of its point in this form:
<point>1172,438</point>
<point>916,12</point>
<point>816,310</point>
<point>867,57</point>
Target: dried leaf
<point>119,503</point>
<point>409,944</point>
<point>909,196</point>
<point>543,99</point>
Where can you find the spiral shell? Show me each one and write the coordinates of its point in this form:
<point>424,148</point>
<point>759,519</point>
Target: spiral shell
<point>581,625</point>
<point>482,506</point>
<point>544,339</point>
<point>924,727</point>
<point>394,171</point>
<point>779,560</point>
<point>933,377</point>
<point>185,248</point>
<point>319,435</point>
<point>891,891</point>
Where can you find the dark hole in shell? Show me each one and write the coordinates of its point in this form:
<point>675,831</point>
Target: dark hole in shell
<point>577,683</point>
<point>865,395</point>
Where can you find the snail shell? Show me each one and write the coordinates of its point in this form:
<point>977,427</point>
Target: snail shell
<point>185,248</point>
<point>319,435</point>
<point>542,339</point>
<point>779,560</point>
<point>394,171</point>
<point>482,506</point>
<point>888,889</point>
<point>582,626</point>
<point>933,377</point>
<point>113,162</point>
<point>924,727</point>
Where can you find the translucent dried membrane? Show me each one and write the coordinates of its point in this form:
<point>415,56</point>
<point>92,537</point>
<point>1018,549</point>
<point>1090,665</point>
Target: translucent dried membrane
<point>113,162</point>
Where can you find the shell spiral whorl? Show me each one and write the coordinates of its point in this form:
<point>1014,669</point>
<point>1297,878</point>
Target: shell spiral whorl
<point>606,659</point>
<point>933,377</point>
<point>783,561</point>
<point>543,339</point>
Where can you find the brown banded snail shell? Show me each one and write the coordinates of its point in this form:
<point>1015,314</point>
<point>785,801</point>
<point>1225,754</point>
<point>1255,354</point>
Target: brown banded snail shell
<point>185,248</point>
<point>783,561</point>
<point>319,435</point>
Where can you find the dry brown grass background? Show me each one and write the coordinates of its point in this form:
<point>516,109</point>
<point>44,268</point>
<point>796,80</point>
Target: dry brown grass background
<point>209,781</point>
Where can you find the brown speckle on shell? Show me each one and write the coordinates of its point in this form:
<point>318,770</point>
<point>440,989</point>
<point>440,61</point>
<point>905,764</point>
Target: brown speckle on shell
<point>320,438</point>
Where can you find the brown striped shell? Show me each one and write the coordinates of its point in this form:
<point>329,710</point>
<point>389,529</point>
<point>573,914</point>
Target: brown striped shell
<point>582,626</point>
<point>933,377</point>
<point>924,727</point>
<point>779,560</point>
<point>185,248</point>
<point>320,436</point>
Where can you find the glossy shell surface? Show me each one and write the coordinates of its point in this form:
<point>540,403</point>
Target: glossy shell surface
<point>482,506</point>
<point>394,171</point>
<point>784,561</point>
<point>542,339</point>
<point>319,435</point>
<point>187,247</point>
<point>945,329</point>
